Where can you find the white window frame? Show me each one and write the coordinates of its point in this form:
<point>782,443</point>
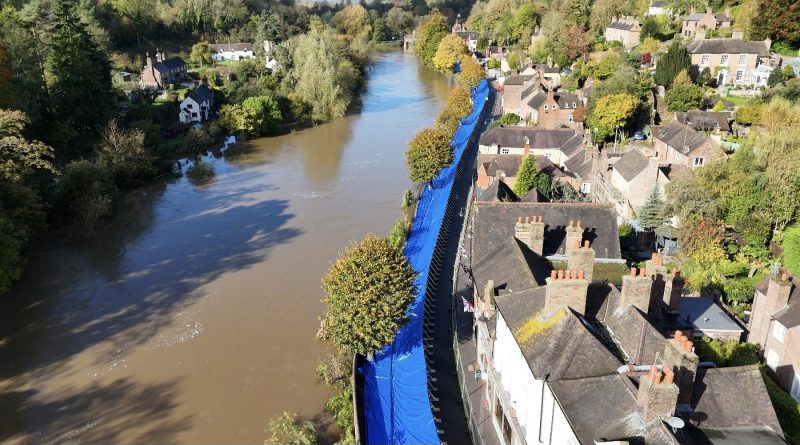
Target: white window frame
<point>739,75</point>
<point>723,59</point>
<point>773,359</point>
<point>548,156</point>
<point>699,161</point>
<point>586,187</point>
<point>778,331</point>
<point>571,119</point>
<point>504,151</point>
<point>704,59</point>
<point>742,59</point>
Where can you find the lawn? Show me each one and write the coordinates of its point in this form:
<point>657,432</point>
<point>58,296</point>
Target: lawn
<point>738,100</point>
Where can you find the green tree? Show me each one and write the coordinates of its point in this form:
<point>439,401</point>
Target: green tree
<point>650,45</point>
<point>378,30</point>
<point>255,116</point>
<point>775,77</point>
<point>124,153</point>
<point>509,119</point>
<point>651,213</point>
<point>670,64</point>
<point>368,290</point>
<point>610,112</point>
<point>81,86</point>
<point>527,177</point>
<point>791,249</point>
<point>431,32</point>
<point>201,54</point>
<point>472,73</point>
<point>778,20</point>
<point>287,429</point>
<point>20,157</point>
<point>353,21</point>
<point>399,21</point>
<point>450,50</point>
<point>428,152</point>
<point>459,102</point>
<point>683,95</point>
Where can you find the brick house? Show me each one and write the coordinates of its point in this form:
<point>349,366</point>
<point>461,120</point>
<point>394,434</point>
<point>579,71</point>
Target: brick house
<point>680,144</point>
<point>775,326</point>
<point>516,88</point>
<point>708,21</point>
<point>554,109</point>
<point>625,30</point>
<point>159,72</point>
<point>730,61</point>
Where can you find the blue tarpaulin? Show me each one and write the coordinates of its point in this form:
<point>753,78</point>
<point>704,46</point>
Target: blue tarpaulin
<point>396,404</point>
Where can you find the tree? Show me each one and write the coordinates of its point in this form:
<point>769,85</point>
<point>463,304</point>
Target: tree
<point>650,45</point>
<point>748,114</point>
<point>368,290</point>
<point>576,42</point>
<point>670,64</point>
<point>450,50</point>
<point>650,215</point>
<point>683,95</point>
<point>612,111</point>
<point>428,152</point>
<point>124,153</point>
<point>431,32</point>
<point>524,20</point>
<point>201,54</point>
<point>81,88</point>
<point>399,21</point>
<point>509,119</point>
<point>255,116</point>
<point>788,72</point>
<point>527,177</point>
<point>775,77</point>
<point>19,157</point>
<point>472,73</point>
<point>778,20</point>
<point>459,102</point>
<point>378,30</point>
<point>352,21</point>
<point>287,429</point>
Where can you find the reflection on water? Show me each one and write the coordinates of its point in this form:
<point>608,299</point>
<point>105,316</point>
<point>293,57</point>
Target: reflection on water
<point>192,316</point>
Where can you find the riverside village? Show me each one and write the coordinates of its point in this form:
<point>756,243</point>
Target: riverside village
<point>461,222</point>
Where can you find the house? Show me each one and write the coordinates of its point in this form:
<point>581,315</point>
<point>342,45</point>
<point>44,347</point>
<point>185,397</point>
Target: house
<point>556,145</point>
<point>716,123</point>
<point>656,8</point>
<point>470,38</point>
<point>554,109</point>
<point>570,359</point>
<point>730,61</point>
<point>232,51</point>
<point>775,326</point>
<point>680,144</point>
<point>625,30</point>
<point>708,21</point>
<point>515,89</point>
<point>635,176</point>
<point>493,167</point>
<point>197,105</point>
<point>159,72</point>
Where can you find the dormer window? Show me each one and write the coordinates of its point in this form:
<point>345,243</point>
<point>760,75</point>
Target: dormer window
<point>545,108</point>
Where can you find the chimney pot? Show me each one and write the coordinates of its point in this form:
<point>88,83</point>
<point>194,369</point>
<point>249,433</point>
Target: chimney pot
<point>669,377</point>
<point>633,271</point>
<point>677,335</point>
<point>688,346</point>
<point>676,272</point>
<point>527,219</point>
<point>657,377</point>
<point>560,274</point>
<point>519,219</point>
<point>570,223</point>
<point>554,274</point>
<point>581,275</point>
<point>784,276</point>
<point>587,244</point>
<point>569,274</point>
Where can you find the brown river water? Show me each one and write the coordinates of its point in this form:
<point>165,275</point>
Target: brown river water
<point>192,317</point>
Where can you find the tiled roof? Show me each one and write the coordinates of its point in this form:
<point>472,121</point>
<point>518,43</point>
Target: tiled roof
<point>202,94</point>
<point>634,333</point>
<point>498,191</point>
<point>566,140</point>
<point>680,137</point>
<point>173,62</point>
<point>517,79</point>
<point>631,164</point>
<point>705,120</point>
<point>727,46</point>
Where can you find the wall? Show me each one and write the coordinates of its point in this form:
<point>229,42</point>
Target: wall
<point>732,65</point>
<point>555,155</point>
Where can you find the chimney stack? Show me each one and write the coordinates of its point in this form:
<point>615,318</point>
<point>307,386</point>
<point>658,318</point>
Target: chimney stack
<point>636,290</point>
<point>768,43</point>
<point>574,237</point>
<point>679,357</point>
<point>673,290</point>
<point>655,267</point>
<point>658,395</point>
<point>700,35</point>
<point>778,292</point>
<point>565,288</point>
<point>582,258</point>
<point>527,147</point>
<point>488,294</point>
<point>531,232</point>
<point>738,34</point>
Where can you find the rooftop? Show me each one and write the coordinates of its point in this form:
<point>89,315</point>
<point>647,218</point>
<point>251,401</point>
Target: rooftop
<point>728,46</point>
<point>566,140</point>
<point>680,137</point>
<point>704,314</point>
<point>631,164</point>
<point>705,120</point>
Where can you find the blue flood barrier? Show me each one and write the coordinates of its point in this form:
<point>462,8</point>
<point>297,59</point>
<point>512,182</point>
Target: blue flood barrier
<point>396,404</point>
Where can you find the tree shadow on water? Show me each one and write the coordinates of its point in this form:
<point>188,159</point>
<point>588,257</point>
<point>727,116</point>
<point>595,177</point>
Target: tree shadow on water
<point>120,411</point>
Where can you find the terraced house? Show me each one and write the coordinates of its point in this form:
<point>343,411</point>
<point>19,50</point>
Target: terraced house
<point>731,61</point>
<point>159,72</point>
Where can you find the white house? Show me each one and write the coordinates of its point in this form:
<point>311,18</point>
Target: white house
<point>196,107</point>
<point>656,8</point>
<point>232,51</point>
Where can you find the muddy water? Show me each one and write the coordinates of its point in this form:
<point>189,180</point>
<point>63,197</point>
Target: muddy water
<point>192,318</point>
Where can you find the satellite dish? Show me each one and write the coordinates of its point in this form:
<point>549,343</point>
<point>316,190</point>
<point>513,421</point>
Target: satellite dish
<point>676,423</point>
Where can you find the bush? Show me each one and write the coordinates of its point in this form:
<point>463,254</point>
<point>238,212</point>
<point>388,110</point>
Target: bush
<point>287,429</point>
<point>625,229</point>
<point>399,233</point>
<point>738,291</point>
<point>509,119</point>
<point>200,170</point>
<point>84,194</point>
<point>726,353</point>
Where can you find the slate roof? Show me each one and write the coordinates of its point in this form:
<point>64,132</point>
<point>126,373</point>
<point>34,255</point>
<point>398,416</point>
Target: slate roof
<point>624,26</point>
<point>471,35</point>
<point>788,316</point>
<point>538,100</point>
<point>727,46</point>
<point>676,171</point>
<point>691,435</point>
<point>202,94</point>
<point>230,47</point>
<point>568,349</point>
<point>517,79</point>
<point>580,164</point>
<point>498,191</point>
<point>171,63</point>
<point>510,164</point>
<point>494,223</point>
<point>510,264</point>
<point>680,137</point>
<point>631,164</point>
<point>635,335</point>
<point>564,100</point>
<point>705,120</point>
<point>566,140</point>
<point>722,393</point>
<point>530,89</point>
<point>705,314</point>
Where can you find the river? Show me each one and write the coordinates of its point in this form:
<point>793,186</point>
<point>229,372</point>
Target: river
<point>192,317</point>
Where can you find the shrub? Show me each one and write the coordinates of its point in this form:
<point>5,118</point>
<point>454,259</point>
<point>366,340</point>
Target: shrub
<point>287,429</point>
<point>399,233</point>
<point>510,119</point>
<point>84,194</point>
<point>200,170</point>
<point>625,229</point>
<point>738,290</point>
<point>726,353</point>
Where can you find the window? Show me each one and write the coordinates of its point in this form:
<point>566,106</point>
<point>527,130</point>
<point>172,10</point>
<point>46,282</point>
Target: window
<point>739,75</point>
<point>548,156</point>
<point>698,162</point>
<point>571,119</point>
<point>498,411</point>
<point>779,331</point>
<point>504,151</point>
<point>704,60</point>
<point>772,359</point>
<point>795,391</point>
<point>507,430</point>
<point>545,108</point>
<point>723,60</point>
<point>555,106</point>
<point>586,187</point>
<point>573,105</point>
<point>742,59</point>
